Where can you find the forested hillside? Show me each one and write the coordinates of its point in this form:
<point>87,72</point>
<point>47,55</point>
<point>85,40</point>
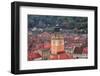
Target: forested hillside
<point>65,22</point>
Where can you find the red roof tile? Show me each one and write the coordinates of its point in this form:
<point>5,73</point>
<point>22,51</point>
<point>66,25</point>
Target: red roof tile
<point>33,55</point>
<point>65,56</point>
<point>85,50</point>
<point>61,56</point>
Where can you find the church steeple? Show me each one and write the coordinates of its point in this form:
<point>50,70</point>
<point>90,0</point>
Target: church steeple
<point>57,41</point>
<point>57,28</point>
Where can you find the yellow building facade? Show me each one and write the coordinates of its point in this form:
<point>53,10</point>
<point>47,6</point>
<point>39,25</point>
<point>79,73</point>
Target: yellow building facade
<point>57,43</point>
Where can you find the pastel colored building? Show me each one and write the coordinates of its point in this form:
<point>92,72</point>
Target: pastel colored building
<point>57,42</point>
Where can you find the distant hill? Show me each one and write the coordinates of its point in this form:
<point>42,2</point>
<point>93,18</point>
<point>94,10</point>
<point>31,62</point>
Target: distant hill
<point>64,22</point>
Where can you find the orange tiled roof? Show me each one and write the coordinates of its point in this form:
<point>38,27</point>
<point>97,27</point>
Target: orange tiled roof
<point>33,55</point>
<point>85,50</point>
<point>61,56</point>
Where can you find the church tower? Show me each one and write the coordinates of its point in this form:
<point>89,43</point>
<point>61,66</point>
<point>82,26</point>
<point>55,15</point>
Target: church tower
<point>57,41</point>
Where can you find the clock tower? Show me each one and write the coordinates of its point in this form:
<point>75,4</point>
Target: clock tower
<point>57,41</point>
